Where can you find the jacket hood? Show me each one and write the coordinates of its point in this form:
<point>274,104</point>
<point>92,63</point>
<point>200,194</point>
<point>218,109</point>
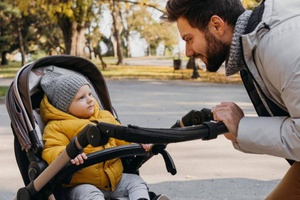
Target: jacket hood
<point>275,12</point>
<point>278,11</point>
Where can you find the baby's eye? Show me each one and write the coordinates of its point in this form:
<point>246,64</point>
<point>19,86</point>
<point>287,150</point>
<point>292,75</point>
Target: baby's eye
<point>90,94</point>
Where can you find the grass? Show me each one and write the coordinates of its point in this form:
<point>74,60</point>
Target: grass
<point>165,73</point>
<point>9,71</point>
<point>136,72</point>
<point>3,90</point>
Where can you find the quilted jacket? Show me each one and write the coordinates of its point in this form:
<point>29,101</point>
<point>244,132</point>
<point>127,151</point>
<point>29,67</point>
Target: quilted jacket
<point>61,127</point>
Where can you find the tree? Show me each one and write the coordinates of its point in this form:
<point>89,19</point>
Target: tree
<point>250,4</point>
<point>17,32</point>
<point>73,17</point>
<point>6,39</point>
<point>68,26</point>
<point>94,38</point>
<point>135,17</point>
<point>117,29</point>
<point>140,19</point>
<point>49,36</point>
<point>126,21</point>
<point>155,33</point>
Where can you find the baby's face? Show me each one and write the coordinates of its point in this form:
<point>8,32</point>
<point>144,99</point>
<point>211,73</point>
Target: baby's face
<point>82,105</point>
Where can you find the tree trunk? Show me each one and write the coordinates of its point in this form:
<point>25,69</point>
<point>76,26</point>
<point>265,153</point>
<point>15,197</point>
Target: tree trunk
<point>97,52</point>
<point>66,28</point>
<point>74,37</point>
<point>21,44</point>
<point>89,46</point>
<point>128,47</point>
<point>81,41</point>
<point>149,51</point>
<point>78,39</point>
<point>110,46</point>
<point>4,61</point>
<point>116,33</point>
<point>90,52</point>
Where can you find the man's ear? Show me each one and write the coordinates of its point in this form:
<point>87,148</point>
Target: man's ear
<point>216,25</point>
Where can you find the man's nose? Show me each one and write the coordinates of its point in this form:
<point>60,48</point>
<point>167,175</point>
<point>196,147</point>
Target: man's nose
<point>189,52</point>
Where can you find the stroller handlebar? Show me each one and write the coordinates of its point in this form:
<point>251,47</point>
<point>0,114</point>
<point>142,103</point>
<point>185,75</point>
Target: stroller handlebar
<point>194,125</point>
<point>130,133</point>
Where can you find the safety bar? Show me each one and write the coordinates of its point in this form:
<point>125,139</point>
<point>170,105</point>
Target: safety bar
<point>72,150</point>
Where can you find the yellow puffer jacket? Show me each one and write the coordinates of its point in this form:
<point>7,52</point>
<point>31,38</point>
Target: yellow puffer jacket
<point>61,127</point>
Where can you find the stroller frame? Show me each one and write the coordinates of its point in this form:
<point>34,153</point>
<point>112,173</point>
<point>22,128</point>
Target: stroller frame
<point>23,98</point>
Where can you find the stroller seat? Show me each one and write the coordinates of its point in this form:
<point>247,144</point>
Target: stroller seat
<point>22,102</point>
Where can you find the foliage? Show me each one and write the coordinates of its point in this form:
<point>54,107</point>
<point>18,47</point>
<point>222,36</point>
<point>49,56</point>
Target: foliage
<point>5,36</point>
<point>8,16</point>
<point>72,26</point>
<point>143,22</point>
<point>250,4</point>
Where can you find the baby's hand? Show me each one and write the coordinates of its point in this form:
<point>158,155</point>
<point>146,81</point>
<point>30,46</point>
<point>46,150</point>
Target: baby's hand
<point>79,159</point>
<point>147,147</point>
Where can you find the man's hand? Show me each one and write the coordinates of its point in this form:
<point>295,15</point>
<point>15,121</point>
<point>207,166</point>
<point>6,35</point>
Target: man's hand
<point>230,114</point>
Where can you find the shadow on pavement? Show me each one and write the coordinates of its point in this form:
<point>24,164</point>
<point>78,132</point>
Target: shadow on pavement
<point>207,189</point>
<point>215,189</point>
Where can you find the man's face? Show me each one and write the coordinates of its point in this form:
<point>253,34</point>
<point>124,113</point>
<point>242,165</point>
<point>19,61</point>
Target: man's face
<point>203,45</point>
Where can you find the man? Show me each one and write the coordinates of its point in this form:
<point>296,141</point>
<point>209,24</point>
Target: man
<point>262,45</point>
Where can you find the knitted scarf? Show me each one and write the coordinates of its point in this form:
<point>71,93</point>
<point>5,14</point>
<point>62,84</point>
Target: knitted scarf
<point>235,61</point>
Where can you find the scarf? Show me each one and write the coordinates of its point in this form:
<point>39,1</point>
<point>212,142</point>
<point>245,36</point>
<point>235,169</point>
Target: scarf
<point>235,61</point>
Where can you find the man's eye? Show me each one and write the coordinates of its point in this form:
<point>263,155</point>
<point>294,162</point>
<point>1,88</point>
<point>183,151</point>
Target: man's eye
<point>189,41</point>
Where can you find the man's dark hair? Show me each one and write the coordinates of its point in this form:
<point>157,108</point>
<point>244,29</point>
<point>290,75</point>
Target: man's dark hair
<point>199,12</point>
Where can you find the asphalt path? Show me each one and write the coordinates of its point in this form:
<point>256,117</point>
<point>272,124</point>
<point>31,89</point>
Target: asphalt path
<point>206,170</point>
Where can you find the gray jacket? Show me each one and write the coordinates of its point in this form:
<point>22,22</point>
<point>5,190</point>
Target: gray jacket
<point>273,56</point>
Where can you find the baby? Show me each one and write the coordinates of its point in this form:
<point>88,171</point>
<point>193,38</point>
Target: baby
<point>67,107</point>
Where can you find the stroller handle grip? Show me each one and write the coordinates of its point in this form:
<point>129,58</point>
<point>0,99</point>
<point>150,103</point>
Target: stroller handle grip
<point>194,117</point>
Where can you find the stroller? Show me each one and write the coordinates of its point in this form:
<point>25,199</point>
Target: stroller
<point>22,102</point>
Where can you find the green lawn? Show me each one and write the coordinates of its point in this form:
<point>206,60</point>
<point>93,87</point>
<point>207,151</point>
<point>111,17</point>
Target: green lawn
<point>165,73</point>
<point>9,71</point>
<point>3,90</point>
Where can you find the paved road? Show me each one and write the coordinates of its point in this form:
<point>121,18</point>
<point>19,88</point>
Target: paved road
<point>206,170</point>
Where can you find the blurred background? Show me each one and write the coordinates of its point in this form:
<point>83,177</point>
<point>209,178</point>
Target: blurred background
<point>94,29</point>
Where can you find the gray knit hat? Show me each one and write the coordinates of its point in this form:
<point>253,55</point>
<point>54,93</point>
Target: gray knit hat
<point>61,88</point>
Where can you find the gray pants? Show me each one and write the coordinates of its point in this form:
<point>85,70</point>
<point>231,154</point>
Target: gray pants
<point>131,187</point>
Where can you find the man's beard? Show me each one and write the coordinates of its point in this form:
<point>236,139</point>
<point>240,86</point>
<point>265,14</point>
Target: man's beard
<point>217,51</point>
